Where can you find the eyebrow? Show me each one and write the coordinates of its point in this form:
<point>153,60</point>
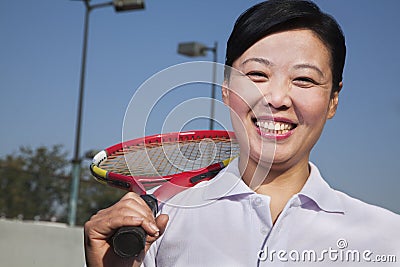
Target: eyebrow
<point>266,62</point>
<point>309,66</point>
<point>261,60</point>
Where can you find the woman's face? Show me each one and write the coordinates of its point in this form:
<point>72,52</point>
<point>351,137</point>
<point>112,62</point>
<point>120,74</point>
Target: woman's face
<point>280,97</point>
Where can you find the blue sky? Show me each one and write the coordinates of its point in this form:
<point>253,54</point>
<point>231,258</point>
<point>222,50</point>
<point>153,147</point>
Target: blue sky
<point>40,57</point>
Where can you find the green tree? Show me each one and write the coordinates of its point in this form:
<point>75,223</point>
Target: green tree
<point>35,185</point>
<point>94,196</point>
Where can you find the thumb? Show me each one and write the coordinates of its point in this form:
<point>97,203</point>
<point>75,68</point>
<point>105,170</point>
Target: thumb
<point>161,222</point>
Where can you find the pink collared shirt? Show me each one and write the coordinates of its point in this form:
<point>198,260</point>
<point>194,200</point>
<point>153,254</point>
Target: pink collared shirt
<point>224,223</point>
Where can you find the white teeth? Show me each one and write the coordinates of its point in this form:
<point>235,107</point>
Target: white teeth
<point>271,126</point>
<point>264,124</point>
<point>278,127</point>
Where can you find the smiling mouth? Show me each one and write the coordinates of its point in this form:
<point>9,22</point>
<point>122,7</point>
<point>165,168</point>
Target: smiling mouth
<point>269,127</point>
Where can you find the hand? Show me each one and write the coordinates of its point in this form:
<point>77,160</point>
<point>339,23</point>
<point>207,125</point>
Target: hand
<point>130,210</point>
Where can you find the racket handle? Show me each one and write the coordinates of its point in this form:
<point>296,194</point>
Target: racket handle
<point>129,241</point>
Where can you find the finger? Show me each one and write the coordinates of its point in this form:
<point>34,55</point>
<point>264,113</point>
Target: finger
<point>130,195</point>
<point>135,215</point>
<point>104,227</point>
<point>132,199</point>
<point>129,205</point>
<point>125,213</point>
<point>116,213</point>
<point>162,221</point>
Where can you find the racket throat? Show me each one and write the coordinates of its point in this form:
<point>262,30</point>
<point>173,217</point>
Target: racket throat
<point>204,176</point>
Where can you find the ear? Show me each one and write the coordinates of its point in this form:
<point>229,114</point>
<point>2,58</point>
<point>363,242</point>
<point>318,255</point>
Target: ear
<point>225,93</point>
<point>333,103</point>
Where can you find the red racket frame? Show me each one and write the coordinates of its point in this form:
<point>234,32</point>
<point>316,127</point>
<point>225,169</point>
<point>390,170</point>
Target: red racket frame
<point>176,182</point>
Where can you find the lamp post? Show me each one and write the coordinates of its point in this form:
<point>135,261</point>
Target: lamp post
<point>119,5</point>
<point>195,49</point>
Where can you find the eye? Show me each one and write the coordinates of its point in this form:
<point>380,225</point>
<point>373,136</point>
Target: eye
<point>257,76</point>
<point>304,82</point>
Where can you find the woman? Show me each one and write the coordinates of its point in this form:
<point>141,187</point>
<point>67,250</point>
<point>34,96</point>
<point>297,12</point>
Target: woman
<point>265,209</point>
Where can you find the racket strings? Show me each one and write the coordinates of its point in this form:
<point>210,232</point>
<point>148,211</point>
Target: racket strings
<point>169,157</point>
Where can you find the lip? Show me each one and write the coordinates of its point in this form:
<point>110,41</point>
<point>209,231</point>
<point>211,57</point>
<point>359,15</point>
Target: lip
<point>274,136</point>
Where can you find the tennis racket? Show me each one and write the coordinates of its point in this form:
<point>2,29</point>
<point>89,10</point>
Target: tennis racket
<point>171,162</point>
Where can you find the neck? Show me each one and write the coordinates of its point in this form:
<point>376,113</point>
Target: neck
<point>287,177</point>
<point>280,182</point>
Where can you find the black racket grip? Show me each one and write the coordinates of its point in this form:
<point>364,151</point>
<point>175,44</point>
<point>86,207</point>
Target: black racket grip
<point>129,241</point>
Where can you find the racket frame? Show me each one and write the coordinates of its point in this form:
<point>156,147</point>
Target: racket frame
<point>179,180</point>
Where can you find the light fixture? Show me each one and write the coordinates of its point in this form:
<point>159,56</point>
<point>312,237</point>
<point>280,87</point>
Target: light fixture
<point>125,5</point>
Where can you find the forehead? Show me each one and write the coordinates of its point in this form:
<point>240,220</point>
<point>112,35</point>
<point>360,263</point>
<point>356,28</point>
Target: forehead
<point>294,46</point>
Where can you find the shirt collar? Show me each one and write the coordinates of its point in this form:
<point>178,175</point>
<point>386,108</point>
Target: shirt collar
<point>227,183</point>
<point>316,192</point>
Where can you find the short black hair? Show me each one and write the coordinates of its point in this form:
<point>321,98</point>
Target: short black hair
<point>275,16</point>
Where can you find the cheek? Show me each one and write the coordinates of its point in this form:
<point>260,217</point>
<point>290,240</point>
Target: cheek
<point>243,92</point>
<point>312,107</point>
<point>239,112</point>
<point>238,104</point>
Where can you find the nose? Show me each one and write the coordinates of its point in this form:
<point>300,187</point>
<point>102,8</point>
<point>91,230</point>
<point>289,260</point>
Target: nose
<point>276,95</point>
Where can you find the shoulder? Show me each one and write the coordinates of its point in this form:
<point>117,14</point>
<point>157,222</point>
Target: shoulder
<point>369,226</point>
<point>319,190</point>
<point>375,222</point>
<point>354,206</point>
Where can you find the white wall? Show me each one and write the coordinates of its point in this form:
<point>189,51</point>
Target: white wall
<point>40,244</point>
